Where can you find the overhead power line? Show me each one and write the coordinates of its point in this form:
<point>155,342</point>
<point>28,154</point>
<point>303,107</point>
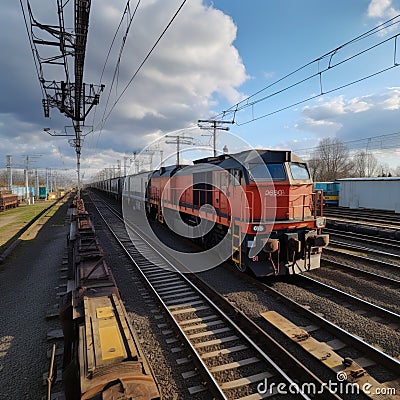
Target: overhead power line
<point>379,142</point>
<point>117,65</point>
<point>142,63</point>
<point>318,74</point>
<point>125,13</point>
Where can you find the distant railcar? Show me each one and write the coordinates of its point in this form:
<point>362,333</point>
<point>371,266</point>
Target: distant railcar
<point>135,189</point>
<point>8,200</point>
<point>330,192</point>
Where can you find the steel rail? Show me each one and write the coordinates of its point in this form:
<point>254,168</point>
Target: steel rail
<point>374,240</point>
<point>368,274</point>
<point>378,220</point>
<point>351,246</point>
<point>207,300</point>
<point>377,355</point>
<point>380,311</point>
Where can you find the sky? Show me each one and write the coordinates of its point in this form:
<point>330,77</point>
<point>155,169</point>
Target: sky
<point>211,59</point>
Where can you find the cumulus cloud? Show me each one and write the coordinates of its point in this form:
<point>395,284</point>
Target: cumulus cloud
<point>193,67</point>
<point>194,61</point>
<point>355,118</point>
<point>381,9</point>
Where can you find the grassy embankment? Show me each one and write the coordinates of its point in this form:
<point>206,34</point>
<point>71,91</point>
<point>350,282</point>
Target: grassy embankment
<point>12,221</point>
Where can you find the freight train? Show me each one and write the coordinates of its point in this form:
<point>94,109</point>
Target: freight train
<point>261,201</point>
<point>102,356</point>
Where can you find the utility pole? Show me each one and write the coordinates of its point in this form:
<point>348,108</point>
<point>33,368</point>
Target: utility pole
<point>125,164</point>
<point>179,140</point>
<point>215,125</point>
<point>119,167</point>
<point>26,171</point>
<point>36,184</point>
<point>9,172</point>
<point>135,163</point>
<point>47,182</point>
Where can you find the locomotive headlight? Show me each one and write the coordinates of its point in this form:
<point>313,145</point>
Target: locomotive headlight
<point>320,222</point>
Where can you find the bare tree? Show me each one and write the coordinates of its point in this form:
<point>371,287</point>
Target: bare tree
<point>314,166</point>
<point>396,171</point>
<point>383,170</point>
<point>3,178</point>
<point>365,164</point>
<point>330,160</point>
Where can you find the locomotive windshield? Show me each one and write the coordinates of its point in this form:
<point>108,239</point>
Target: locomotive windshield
<point>258,172</point>
<point>299,171</point>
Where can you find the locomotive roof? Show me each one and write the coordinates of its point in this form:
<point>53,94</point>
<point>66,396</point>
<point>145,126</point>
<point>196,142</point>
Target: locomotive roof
<point>231,161</point>
<point>268,156</point>
<point>166,171</point>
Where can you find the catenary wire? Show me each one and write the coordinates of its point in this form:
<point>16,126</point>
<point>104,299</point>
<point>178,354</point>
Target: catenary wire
<point>243,104</point>
<point>142,63</point>
<point>33,48</point>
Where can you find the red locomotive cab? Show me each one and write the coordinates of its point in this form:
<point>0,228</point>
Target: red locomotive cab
<point>281,230</point>
<point>280,192</point>
<point>267,192</point>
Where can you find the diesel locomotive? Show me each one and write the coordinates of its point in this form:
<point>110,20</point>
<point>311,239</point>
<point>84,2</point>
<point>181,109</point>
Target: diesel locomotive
<point>261,203</point>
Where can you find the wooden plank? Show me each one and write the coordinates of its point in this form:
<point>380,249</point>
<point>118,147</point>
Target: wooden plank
<point>236,364</point>
<point>209,333</point>
<point>353,373</point>
<point>245,381</point>
<point>216,341</point>
<point>230,350</point>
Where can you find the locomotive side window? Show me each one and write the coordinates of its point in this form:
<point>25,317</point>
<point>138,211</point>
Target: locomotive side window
<point>258,172</point>
<point>299,171</point>
<point>223,181</point>
<point>238,176</point>
<point>234,177</point>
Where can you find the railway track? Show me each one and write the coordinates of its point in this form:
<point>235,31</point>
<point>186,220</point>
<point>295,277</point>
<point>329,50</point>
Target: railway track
<point>358,260</point>
<point>356,304</point>
<point>342,338</point>
<point>233,364</point>
<point>338,338</point>
<point>374,357</point>
<point>378,255</point>
<point>378,265</point>
<point>360,270</point>
<point>378,218</point>
<point>373,241</point>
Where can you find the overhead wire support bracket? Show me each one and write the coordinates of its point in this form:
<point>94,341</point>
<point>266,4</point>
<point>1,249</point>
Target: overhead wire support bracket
<point>215,125</point>
<point>74,99</point>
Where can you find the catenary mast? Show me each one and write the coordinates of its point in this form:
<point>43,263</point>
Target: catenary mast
<point>72,97</point>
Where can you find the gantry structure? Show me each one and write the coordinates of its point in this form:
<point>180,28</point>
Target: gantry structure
<point>54,46</point>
